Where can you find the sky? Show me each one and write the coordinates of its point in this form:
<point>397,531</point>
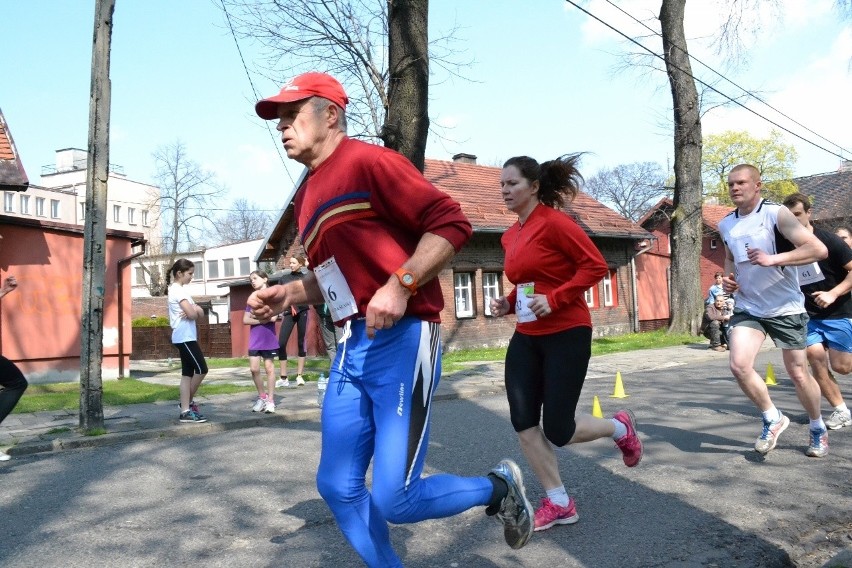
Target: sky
<point>544,81</point>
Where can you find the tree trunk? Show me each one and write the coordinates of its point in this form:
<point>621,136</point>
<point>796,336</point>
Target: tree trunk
<point>407,119</point>
<point>94,231</point>
<point>686,222</point>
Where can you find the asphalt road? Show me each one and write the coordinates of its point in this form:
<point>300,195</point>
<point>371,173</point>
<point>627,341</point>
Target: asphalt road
<point>700,497</point>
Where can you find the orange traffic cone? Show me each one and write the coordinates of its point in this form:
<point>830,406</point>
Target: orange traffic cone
<point>619,387</point>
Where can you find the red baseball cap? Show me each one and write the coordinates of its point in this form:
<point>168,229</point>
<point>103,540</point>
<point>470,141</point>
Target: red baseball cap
<point>302,87</point>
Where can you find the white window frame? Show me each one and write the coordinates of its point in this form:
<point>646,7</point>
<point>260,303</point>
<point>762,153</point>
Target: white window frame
<point>214,264</point>
<point>490,290</point>
<point>144,217</point>
<point>463,293</point>
<point>245,265</point>
<point>228,267</point>
<point>199,272</point>
<point>141,280</point>
<point>589,296</point>
<point>116,213</point>
<point>8,202</point>
<point>608,300</point>
<point>25,204</point>
<point>39,207</point>
<point>55,211</point>
<point>82,210</point>
<point>714,244</point>
<point>131,216</point>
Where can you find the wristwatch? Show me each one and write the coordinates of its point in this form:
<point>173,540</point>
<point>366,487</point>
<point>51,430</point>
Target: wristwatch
<point>407,280</point>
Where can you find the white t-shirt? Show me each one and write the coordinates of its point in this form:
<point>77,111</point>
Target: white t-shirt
<point>764,292</point>
<point>183,329</point>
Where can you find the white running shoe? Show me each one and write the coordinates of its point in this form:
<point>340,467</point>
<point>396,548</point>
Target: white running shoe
<point>258,406</point>
<point>282,383</point>
<point>300,382</point>
<point>838,420</point>
<point>269,407</point>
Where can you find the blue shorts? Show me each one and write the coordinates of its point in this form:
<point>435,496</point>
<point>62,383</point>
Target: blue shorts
<point>836,333</point>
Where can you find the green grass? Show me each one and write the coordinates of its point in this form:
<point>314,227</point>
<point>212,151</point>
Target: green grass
<point>66,396</point>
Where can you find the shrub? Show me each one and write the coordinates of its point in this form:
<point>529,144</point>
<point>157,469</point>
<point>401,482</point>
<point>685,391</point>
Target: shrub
<point>158,321</point>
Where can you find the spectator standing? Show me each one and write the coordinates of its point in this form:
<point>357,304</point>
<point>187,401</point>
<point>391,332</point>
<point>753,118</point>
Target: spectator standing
<point>263,345</point>
<point>298,318</point>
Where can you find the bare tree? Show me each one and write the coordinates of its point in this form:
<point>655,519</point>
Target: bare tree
<point>376,48</point>
<point>245,221</point>
<point>630,188</point>
<point>188,195</point>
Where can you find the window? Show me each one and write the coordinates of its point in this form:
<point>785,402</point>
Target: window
<point>116,213</point>
<point>145,217</point>
<point>589,295</point>
<point>245,266</point>
<point>464,294</point>
<point>490,290</point>
<point>610,298</point>
<point>140,275</point>
<point>229,267</point>
<point>131,216</point>
<point>25,205</point>
<point>212,269</point>
<point>713,243</point>
<point>199,272</point>
<point>54,208</point>
<point>9,202</point>
<point>82,211</point>
<point>39,206</point>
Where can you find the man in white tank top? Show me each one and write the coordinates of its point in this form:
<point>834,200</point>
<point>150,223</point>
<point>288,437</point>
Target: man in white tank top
<point>763,244</point>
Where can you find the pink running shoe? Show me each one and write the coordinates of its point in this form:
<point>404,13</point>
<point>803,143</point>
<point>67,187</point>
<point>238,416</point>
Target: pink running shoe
<point>629,444</point>
<point>550,514</point>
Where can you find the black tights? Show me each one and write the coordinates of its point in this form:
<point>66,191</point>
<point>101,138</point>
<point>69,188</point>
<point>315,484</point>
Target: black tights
<point>544,376</point>
<point>14,384</point>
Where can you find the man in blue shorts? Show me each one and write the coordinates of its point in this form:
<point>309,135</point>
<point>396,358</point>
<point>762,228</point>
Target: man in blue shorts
<point>377,234</point>
<point>826,285</point>
<point>763,246</point>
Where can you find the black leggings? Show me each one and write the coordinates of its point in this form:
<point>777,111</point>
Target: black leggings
<point>546,373</point>
<point>14,384</point>
<point>300,320</point>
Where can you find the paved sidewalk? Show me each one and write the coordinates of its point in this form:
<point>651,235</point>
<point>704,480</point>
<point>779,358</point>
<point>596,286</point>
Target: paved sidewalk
<point>38,432</point>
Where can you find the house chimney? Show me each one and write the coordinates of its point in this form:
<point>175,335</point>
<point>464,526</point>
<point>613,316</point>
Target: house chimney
<point>71,159</point>
<point>845,166</point>
<point>462,158</point>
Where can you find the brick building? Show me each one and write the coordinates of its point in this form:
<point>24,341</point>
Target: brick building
<point>476,274</point>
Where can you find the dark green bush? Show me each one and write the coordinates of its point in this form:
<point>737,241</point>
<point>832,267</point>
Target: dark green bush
<point>159,321</point>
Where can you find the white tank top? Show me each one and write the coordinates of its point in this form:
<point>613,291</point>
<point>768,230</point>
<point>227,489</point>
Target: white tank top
<point>764,292</point>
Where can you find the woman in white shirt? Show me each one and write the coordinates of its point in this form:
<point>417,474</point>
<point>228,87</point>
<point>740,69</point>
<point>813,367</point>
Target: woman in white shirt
<point>182,316</point>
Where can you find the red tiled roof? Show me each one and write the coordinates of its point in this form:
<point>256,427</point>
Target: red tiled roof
<point>12,174</point>
<point>831,193</point>
<point>477,189</point>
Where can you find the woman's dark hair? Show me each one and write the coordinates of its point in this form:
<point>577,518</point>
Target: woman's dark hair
<point>180,265</point>
<point>261,273</point>
<point>557,179</point>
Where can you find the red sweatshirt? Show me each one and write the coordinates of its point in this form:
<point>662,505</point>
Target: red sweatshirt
<point>553,252</point>
<point>368,206</point>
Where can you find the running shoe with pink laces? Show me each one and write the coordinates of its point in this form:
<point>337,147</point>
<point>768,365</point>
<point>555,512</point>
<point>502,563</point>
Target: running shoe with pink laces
<point>629,444</point>
<point>550,514</point>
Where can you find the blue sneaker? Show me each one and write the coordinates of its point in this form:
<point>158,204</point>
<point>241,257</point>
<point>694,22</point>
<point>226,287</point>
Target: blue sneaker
<point>191,416</point>
<point>516,512</point>
<point>818,447</point>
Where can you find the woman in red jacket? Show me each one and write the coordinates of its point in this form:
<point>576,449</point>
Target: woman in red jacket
<point>552,262</point>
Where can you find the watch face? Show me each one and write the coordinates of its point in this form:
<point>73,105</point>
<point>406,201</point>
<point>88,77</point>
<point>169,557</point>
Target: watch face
<point>407,279</point>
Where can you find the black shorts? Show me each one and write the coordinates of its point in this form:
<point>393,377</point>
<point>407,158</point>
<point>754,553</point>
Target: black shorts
<point>264,353</point>
<point>191,359</point>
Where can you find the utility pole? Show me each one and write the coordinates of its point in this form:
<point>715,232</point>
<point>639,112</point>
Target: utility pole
<point>94,233</point>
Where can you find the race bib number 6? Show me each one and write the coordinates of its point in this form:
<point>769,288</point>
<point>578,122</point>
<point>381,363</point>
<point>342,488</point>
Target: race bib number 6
<point>338,296</point>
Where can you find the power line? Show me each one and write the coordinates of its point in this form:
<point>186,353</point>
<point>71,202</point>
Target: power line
<point>711,87</point>
<point>275,142</point>
<point>743,89</point>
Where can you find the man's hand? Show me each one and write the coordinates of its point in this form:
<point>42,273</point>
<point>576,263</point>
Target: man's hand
<point>10,284</point>
<point>386,307</point>
<point>729,284</point>
<point>824,299</point>
<point>268,302</point>
<point>499,306</point>
<point>757,256</point>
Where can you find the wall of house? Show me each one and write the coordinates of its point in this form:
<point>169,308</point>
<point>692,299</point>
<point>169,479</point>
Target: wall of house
<point>40,322</point>
<point>712,260</point>
<point>652,285</point>
<point>156,342</point>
